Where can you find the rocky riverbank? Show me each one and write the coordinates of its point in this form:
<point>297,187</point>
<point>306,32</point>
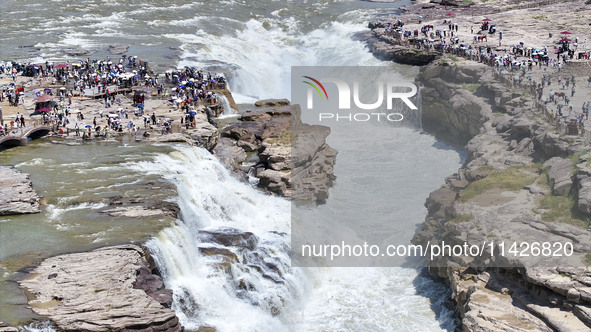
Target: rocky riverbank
<point>522,182</point>
<point>289,158</point>
<point>107,289</point>
<point>16,193</point>
<point>387,47</point>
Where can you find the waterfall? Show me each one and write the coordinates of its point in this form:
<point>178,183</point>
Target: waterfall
<point>228,110</point>
<point>226,258</point>
<point>419,103</point>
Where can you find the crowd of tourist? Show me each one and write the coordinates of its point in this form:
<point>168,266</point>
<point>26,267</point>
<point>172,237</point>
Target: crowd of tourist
<point>105,79</point>
<point>515,62</point>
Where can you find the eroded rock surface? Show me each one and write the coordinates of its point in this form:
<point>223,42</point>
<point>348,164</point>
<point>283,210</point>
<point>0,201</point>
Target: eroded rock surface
<point>288,157</point>
<point>515,161</point>
<point>16,193</point>
<point>204,134</point>
<point>386,47</point>
<point>107,289</point>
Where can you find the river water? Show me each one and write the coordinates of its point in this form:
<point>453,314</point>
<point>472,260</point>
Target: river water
<point>254,43</point>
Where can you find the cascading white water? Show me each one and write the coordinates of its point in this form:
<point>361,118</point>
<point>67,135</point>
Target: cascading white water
<point>265,55</point>
<point>255,292</point>
<point>260,291</point>
<point>228,110</point>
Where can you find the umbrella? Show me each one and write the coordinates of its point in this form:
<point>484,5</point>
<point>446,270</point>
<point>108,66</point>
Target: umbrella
<point>450,14</point>
<point>192,113</point>
<point>486,20</point>
<point>44,109</point>
<point>88,126</point>
<point>141,106</point>
<point>113,115</point>
<point>137,92</point>
<point>43,98</point>
<point>63,88</point>
<point>61,66</point>
<point>565,33</point>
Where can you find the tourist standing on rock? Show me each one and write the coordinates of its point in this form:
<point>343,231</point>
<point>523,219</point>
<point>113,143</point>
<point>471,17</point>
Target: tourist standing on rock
<point>22,120</point>
<point>153,118</point>
<point>572,91</point>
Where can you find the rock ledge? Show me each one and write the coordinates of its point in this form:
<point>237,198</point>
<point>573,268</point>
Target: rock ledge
<point>107,289</point>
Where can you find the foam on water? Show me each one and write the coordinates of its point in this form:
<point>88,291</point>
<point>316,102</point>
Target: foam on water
<point>55,212</point>
<point>388,305</point>
<point>45,326</point>
<point>348,299</point>
<point>265,50</point>
<point>211,198</point>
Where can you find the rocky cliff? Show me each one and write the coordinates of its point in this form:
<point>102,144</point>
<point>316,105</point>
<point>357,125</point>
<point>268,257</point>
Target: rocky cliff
<point>523,181</point>
<point>289,158</point>
<point>385,46</point>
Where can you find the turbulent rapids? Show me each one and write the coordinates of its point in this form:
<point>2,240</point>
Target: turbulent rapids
<point>228,253</point>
